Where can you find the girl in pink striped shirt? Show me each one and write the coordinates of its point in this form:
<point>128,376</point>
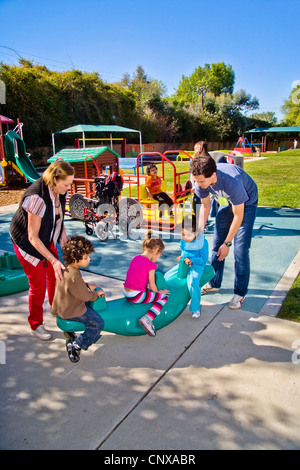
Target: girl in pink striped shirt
<point>140,287</point>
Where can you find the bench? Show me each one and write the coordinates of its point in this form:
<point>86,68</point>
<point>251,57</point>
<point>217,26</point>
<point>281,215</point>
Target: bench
<point>129,163</point>
<point>183,156</point>
<point>143,195</point>
<point>144,199</point>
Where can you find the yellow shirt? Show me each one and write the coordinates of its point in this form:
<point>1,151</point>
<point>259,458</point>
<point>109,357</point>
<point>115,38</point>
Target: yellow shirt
<point>154,185</point>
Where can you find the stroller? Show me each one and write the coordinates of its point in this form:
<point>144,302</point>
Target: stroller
<point>100,213</point>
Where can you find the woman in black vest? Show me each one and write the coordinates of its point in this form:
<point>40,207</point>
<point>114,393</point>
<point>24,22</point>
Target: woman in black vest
<point>36,227</point>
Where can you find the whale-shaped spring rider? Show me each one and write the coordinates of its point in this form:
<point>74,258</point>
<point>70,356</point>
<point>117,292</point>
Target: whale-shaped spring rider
<point>122,317</point>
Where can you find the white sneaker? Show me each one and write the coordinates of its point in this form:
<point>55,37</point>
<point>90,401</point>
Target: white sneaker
<point>196,314</point>
<point>147,325</point>
<point>236,302</point>
<point>208,288</point>
<point>41,333</point>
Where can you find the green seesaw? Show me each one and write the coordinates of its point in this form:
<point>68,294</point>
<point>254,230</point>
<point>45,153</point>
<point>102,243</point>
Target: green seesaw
<point>122,317</point>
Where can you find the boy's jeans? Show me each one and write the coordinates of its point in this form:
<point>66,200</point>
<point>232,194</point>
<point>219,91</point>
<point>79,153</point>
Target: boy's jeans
<point>94,325</point>
<point>242,242</point>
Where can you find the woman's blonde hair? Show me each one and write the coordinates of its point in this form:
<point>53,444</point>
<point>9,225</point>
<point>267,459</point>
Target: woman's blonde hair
<point>58,170</point>
<point>150,243</point>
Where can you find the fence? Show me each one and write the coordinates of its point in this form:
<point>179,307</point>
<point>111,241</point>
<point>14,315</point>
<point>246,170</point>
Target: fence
<point>40,155</point>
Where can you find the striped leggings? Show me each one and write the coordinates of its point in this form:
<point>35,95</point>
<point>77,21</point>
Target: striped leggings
<point>137,297</point>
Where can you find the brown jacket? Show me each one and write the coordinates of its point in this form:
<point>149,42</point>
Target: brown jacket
<point>71,294</point>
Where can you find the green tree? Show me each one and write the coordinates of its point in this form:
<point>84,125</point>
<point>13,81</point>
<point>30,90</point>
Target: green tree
<point>47,101</point>
<point>215,78</point>
<point>266,117</point>
<point>291,108</point>
<point>148,91</point>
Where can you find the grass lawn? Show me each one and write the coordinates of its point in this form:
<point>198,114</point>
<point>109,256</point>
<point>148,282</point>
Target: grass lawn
<point>290,309</point>
<point>278,179</point>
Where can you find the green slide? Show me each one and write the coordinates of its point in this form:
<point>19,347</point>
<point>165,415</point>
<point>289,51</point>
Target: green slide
<point>15,152</point>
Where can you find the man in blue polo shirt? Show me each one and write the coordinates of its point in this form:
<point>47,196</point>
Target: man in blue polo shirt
<point>237,196</point>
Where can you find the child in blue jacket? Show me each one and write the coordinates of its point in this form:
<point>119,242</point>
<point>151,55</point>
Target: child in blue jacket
<point>194,250</point>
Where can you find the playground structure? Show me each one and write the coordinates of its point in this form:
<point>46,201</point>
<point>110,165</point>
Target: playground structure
<point>135,211</point>
<point>244,147</point>
<point>90,164</point>
<point>83,129</point>
<point>86,201</point>
<point>14,159</point>
<point>12,277</point>
<point>275,137</point>
<point>122,317</point>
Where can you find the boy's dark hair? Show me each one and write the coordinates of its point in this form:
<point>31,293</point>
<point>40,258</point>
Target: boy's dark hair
<point>149,167</point>
<point>204,165</point>
<point>75,248</point>
<point>189,222</point>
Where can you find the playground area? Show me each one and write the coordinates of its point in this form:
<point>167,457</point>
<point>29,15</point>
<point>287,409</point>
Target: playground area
<point>224,381</point>
<point>228,380</point>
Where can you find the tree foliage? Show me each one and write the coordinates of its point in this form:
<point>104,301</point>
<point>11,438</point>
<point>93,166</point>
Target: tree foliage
<point>204,105</point>
<point>49,101</point>
<point>291,108</point>
<point>214,78</point>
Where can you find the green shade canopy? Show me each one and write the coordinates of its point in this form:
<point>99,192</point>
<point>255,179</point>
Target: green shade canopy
<point>94,128</point>
<point>83,128</point>
<point>273,129</point>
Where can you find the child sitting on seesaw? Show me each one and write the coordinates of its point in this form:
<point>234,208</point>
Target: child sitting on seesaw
<point>194,250</point>
<point>72,297</point>
<point>153,188</point>
<point>140,287</point>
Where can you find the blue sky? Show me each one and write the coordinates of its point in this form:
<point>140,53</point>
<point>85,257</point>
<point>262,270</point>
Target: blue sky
<point>260,39</point>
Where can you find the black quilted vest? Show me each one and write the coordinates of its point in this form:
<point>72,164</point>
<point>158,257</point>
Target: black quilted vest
<point>19,224</point>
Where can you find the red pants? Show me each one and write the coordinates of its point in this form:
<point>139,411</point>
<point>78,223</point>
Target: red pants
<point>40,278</point>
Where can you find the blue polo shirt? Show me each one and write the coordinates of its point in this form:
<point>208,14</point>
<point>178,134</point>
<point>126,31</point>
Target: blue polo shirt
<point>233,186</point>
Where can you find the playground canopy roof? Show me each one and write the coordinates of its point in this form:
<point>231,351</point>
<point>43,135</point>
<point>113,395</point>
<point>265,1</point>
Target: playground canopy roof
<point>263,130</point>
<point>94,128</point>
<point>83,128</point>
<point>79,155</point>
<point>5,119</point>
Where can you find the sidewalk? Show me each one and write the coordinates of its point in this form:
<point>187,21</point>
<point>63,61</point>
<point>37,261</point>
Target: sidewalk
<point>229,380</point>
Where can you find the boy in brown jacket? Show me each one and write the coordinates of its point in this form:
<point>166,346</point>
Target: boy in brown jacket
<point>72,296</point>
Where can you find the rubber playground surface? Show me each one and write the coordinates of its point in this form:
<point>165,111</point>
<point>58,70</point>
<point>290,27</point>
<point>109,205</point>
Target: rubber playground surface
<point>275,243</point>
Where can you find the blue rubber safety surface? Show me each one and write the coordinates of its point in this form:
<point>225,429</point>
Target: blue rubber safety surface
<point>275,243</point>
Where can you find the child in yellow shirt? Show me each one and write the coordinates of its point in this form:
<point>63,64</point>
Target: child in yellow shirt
<point>153,188</point>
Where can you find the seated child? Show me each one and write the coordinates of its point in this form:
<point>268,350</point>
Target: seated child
<point>153,188</point>
<point>140,287</point>
<point>194,250</point>
<point>72,296</point>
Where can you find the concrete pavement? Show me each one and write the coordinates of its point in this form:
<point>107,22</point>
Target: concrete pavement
<point>229,380</point>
